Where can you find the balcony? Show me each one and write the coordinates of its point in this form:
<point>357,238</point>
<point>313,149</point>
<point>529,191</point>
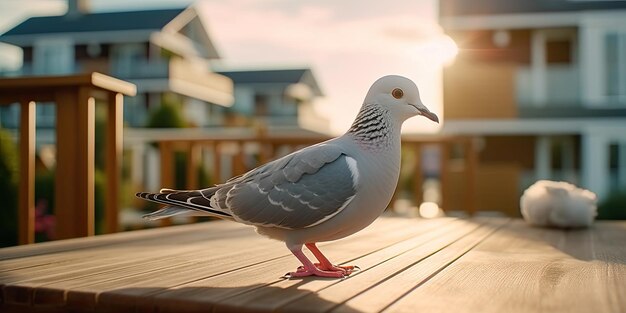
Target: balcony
<point>561,88</point>
<point>140,69</point>
<point>28,69</point>
<point>558,97</point>
<point>176,75</point>
<point>507,91</point>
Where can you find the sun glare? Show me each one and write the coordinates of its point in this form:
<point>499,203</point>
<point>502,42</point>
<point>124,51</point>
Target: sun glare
<point>448,49</point>
<point>429,210</point>
<point>442,50</point>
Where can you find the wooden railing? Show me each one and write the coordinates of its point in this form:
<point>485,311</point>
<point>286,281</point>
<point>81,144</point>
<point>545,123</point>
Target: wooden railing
<point>75,117</point>
<point>267,147</point>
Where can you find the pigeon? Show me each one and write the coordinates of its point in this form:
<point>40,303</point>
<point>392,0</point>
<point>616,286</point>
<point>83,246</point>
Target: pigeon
<point>558,204</point>
<point>320,193</point>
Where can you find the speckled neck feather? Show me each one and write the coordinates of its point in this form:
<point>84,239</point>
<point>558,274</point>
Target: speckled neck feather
<point>372,128</point>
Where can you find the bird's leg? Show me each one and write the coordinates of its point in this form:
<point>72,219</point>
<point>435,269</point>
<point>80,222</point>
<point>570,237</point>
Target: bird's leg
<point>308,268</point>
<point>324,264</point>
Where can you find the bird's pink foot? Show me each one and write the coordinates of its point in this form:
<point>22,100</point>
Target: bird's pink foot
<point>303,272</point>
<point>322,269</point>
<point>346,270</point>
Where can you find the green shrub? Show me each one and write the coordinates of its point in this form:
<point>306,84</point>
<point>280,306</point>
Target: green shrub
<point>99,192</point>
<point>180,169</point>
<point>613,207</point>
<point>8,190</point>
<point>168,115</point>
<point>44,200</point>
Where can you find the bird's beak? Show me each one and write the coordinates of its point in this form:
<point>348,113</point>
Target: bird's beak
<point>423,110</point>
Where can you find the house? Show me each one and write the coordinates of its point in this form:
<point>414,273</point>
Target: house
<point>541,85</point>
<point>168,54</point>
<point>164,52</point>
<point>280,98</point>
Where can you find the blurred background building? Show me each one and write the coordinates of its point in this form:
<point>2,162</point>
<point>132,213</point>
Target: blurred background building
<point>539,87</point>
<point>169,55</point>
<point>542,86</point>
<point>280,98</point>
<point>164,52</point>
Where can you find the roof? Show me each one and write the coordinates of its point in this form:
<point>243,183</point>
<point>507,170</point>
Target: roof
<point>278,76</point>
<point>494,7</point>
<point>93,22</point>
<point>289,76</point>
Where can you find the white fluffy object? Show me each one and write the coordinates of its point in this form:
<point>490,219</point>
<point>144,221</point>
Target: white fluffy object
<point>558,204</point>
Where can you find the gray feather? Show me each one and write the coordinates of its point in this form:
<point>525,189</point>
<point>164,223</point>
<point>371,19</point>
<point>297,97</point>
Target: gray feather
<point>297,191</point>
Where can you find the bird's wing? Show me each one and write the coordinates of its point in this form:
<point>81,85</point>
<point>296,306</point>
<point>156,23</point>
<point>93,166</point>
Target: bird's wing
<point>300,190</point>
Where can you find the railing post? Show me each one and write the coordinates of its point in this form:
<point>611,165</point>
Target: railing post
<point>239,166</point>
<point>26,213</point>
<point>471,162</point>
<point>444,172</point>
<point>114,129</point>
<point>74,177</point>
<point>193,159</point>
<point>418,193</point>
<point>75,136</point>
<point>167,171</point>
<point>216,176</point>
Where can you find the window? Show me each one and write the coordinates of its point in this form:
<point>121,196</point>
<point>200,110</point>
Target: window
<point>53,56</point>
<point>615,65</point>
<point>127,59</point>
<point>261,105</point>
<point>559,51</point>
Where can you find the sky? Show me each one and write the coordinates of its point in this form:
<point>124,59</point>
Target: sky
<point>348,44</point>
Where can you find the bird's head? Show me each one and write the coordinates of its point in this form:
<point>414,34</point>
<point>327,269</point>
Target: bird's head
<point>400,96</point>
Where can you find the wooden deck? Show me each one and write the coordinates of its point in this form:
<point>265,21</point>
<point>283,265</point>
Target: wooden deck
<point>408,265</point>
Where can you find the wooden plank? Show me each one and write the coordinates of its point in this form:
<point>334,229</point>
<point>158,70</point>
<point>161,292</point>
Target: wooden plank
<point>227,268</point>
<point>188,263</point>
<point>52,289</point>
<point>407,266</point>
<point>74,179</point>
<point>140,258</point>
<point>379,296</point>
<point>376,267</point>
<point>236,256</point>
<point>26,212</point>
<point>205,294</point>
<point>21,268</point>
<point>407,252</point>
<point>113,166</point>
<point>59,247</point>
<point>526,269</point>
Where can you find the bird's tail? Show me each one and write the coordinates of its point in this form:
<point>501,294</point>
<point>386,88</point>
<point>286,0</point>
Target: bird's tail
<point>170,211</point>
<point>181,202</point>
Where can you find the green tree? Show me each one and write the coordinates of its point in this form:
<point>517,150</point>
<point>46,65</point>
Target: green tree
<point>168,115</point>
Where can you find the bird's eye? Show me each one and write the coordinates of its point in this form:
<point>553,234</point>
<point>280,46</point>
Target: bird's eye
<point>397,93</point>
